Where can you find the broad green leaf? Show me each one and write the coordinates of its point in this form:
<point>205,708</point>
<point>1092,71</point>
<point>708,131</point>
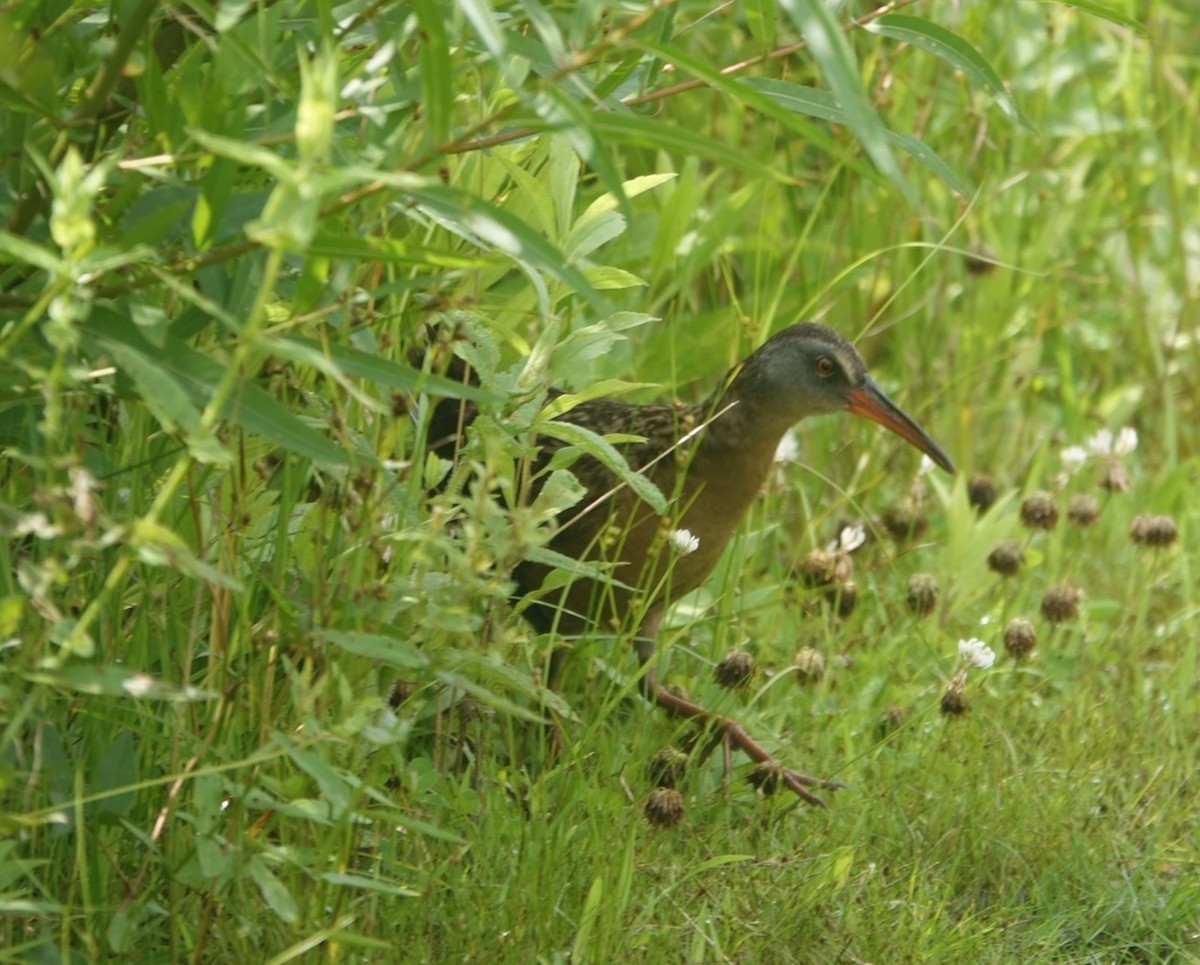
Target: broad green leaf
<point>604,452</point>
<point>274,891</point>
<point>156,545</point>
<point>169,402</point>
<point>608,278</point>
<point>833,55</point>
<point>955,51</point>
<point>17,250</point>
<point>476,219</point>
<point>388,651</point>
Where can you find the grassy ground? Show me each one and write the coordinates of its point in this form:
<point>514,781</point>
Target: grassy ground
<point>257,796</point>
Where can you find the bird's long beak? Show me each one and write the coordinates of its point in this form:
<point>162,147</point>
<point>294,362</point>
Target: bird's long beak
<point>871,403</point>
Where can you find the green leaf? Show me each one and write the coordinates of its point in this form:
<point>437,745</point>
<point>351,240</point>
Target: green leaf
<point>17,250</point>
<point>609,456</point>
<point>820,103</point>
<point>198,375</point>
<point>369,884</point>
<point>274,891</point>
<point>364,365</point>
<point>169,402</point>
<point>388,651</point>
<point>955,51</point>
<point>679,141</point>
<point>1102,11</point>
<point>479,220</point>
<point>437,72</point>
<point>833,55</point>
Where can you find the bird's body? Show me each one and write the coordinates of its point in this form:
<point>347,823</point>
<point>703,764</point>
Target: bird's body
<point>710,461</point>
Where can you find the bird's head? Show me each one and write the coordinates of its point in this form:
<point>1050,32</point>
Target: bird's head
<point>809,369</point>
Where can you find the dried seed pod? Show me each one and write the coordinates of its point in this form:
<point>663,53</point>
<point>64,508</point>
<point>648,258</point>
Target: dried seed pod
<point>734,670</point>
<point>1083,510</point>
<point>1019,638</point>
<point>667,767</point>
<point>922,593</point>
<point>810,666</point>
<point>1154,531</point>
<point>664,807</point>
<point>1061,604</point>
<point>1006,558</point>
<point>981,492</point>
<point>1039,511</point>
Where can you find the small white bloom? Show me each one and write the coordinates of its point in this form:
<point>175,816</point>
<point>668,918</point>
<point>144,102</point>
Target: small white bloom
<point>851,538</point>
<point>976,654</point>
<point>37,524</point>
<point>1073,458</point>
<point>138,685</point>
<point>788,449</point>
<point>684,542</point>
<point>927,466</point>
<point>1101,443</point>
<point>1127,441</point>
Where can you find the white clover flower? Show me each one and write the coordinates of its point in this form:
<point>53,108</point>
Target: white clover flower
<point>851,538</point>
<point>684,542</point>
<point>788,448</point>
<point>1127,441</point>
<point>1073,458</point>
<point>1104,443</point>
<point>976,654</point>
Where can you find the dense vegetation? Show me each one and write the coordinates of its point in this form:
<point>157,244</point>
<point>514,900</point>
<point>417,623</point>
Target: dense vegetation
<point>263,697</point>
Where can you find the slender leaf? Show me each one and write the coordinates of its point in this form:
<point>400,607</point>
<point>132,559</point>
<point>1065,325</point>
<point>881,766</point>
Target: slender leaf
<point>836,60</point>
<point>940,42</point>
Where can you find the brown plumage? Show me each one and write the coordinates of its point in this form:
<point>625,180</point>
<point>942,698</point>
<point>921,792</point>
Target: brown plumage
<point>710,461</point>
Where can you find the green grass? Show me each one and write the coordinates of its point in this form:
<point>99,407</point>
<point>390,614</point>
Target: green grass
<point>198,757</point>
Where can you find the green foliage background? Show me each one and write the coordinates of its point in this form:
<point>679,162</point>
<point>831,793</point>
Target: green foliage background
<point>224,228</point>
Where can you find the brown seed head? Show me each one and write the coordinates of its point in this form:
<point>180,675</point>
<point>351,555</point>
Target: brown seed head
<point>1115,479</point>
<point>667,767</point>
<point>954,700</point>
<point>816,569</point>
<point>1038,511</point>
<point>810,666</point>
<point>1007,558</point>
<point>981,492</point>
<point>1019,638</point>
<point>1083,510</point>
<point>922,593</point>
<point>664,807</point>
<point>734,670</point>
<point>1155,531</point>
<point>1061,604</point>
<point>905,520</point>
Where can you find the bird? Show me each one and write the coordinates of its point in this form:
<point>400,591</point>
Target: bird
<point>709,460</point>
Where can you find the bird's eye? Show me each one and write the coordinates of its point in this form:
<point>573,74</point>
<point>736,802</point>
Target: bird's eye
<point>825,365</point>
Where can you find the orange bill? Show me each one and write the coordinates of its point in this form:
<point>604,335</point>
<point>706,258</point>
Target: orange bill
<point>872,403</point>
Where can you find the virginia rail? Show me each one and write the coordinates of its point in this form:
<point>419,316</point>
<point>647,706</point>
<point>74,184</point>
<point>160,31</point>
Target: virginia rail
<point>710,460</point>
